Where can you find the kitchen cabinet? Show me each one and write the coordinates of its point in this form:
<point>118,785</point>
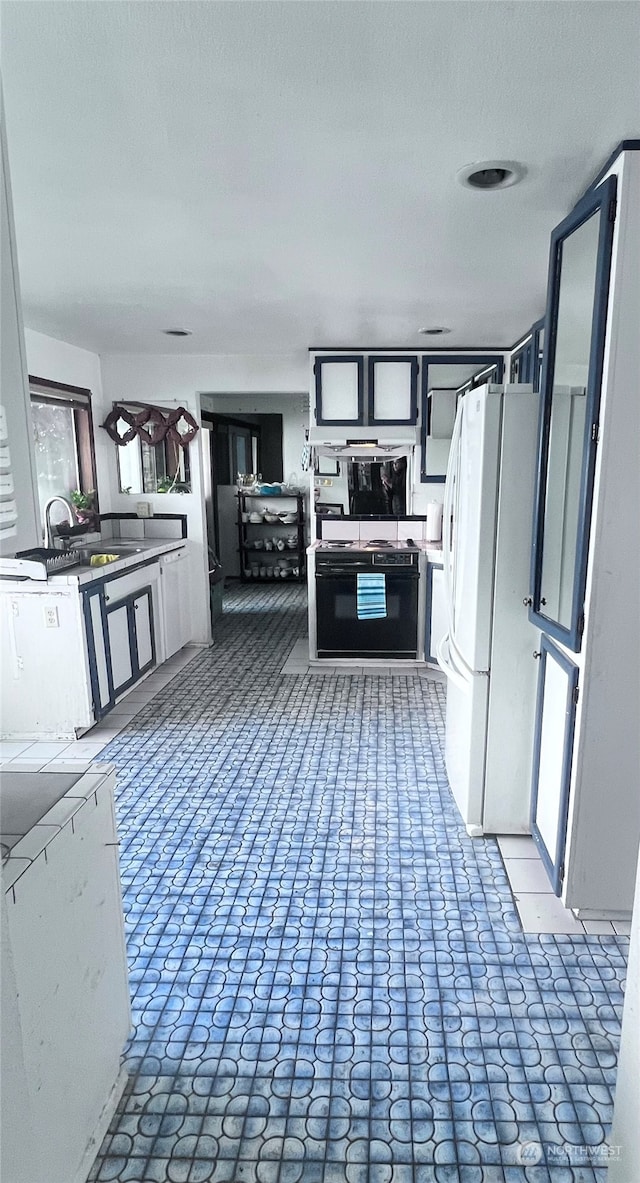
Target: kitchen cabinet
<point>552,756</point>
<point>339,390</point>
<point>174,595</point>
<point>585,578</point>
<point>579,276</point>
<point>436,611</point>
<point>444,379</point>
<point>392,390</point>
<point>65,992</point>
<point>120,636</point>
<point>390,398</point>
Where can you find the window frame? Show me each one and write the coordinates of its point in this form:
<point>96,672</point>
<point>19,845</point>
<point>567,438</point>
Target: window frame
<point>78,400</point>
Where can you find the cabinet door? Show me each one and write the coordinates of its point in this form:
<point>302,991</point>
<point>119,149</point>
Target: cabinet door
<point>339,390</point>
<point>552,758</point>
<point>392,390</point>
<point>99,669</point>
<point>437,623</point>
<point>119,647</point>
<point>144,651</point>
<point>175,593</point>
<point>574,345</point>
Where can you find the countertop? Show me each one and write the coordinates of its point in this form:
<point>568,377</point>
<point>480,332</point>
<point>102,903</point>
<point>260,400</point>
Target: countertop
<point>141,550</point>
<point>36,806</point>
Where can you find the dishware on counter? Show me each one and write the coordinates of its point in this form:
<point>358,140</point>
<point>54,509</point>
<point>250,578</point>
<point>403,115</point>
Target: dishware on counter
<point>269,490</point>
<point>268,544</point>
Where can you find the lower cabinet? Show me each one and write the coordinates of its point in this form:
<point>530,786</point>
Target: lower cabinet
<point>436,616</point>
<point>552,757</point>
<point>120,642</point>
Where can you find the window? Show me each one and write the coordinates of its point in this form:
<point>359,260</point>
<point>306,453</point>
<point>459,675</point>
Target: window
<point>63,441</point>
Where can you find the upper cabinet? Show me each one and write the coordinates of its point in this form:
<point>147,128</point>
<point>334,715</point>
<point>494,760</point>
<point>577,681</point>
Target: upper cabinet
<point>579,268</point>
<point>391,394</point>
<point>445,378</point>
<point>393,390</point>
<point>339,389</point>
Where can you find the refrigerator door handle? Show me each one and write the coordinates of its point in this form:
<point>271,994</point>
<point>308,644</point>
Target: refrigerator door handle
<point>452,466</point>
<point>445,662</point>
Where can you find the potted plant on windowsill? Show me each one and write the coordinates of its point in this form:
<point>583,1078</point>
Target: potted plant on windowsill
<point>85,509</point>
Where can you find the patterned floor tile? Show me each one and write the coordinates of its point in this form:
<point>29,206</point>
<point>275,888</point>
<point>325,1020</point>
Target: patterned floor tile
<point>330,981</point>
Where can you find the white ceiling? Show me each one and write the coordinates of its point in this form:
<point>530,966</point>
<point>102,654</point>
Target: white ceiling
<point>279,175</point>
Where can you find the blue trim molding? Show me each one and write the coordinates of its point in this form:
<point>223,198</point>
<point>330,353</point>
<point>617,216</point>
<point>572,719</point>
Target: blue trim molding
<point>602,200</point>
<point>554,860</point>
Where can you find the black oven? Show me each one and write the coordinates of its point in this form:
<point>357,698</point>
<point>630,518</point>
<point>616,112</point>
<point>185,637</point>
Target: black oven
<point>339,631</point>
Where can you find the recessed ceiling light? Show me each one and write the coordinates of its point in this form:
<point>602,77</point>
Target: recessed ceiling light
<point>491,174</point>
<point>177,332</point>
<point>435,331</point>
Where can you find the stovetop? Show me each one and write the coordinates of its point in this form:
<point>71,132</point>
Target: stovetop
<point>377,544</point>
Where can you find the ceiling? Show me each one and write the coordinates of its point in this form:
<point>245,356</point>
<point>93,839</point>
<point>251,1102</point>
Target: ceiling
<point>274,176</point>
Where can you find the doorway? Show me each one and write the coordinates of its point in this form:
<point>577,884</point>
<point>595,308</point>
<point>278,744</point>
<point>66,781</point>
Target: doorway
<point>233,444</point>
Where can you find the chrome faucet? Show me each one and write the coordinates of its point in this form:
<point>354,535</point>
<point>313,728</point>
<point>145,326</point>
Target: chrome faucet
<point>49,536</point>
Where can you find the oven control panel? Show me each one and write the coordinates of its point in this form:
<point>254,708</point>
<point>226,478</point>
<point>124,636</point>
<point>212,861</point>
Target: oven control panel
<point>394,558</point>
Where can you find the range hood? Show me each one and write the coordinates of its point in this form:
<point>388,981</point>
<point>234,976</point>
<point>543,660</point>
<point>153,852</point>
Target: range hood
<point>361,449</point>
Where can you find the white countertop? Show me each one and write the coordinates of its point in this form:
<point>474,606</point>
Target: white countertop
<point>141,550</point>
<point>36,806</point>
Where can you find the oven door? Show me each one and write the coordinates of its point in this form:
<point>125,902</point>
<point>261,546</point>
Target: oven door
<point>341,634</point>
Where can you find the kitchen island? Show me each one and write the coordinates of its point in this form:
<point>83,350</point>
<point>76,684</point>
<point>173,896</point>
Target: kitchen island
<point>65,992</point>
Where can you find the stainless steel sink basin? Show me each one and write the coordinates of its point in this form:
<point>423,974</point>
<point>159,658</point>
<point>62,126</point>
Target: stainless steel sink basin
<point>120,549</point>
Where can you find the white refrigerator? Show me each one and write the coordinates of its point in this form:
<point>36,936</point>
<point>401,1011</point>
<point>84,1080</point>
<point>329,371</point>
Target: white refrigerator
<point>487,652</point>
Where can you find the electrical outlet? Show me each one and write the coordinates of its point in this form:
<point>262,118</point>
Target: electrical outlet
<point>143,509</point>
<point>51,618</point>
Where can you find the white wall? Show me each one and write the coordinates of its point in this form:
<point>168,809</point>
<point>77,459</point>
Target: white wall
<point>180,381</point>
<point>57,361</point>
<point>22,527</point>
<point>625,1166</point>
<point>294,408</point>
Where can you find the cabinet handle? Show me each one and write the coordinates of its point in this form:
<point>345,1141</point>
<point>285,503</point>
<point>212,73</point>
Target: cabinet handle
<point>528,601</point>
<point>537,653</point>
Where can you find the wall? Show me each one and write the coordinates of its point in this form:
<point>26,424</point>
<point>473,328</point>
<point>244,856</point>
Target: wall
<point>295,418</point>
<point>22,525</point>
<point>57,361</point>
<point>227,383</point>
<point>625,1163</point>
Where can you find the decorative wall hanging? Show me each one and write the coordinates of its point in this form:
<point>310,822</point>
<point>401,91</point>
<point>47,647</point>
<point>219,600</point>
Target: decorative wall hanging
<point>151,424</point>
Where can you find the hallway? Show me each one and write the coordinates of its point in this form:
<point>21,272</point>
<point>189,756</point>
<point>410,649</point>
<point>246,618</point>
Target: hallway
<point>329,977</point>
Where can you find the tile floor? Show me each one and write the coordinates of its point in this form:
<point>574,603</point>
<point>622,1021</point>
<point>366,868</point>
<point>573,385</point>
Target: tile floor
<point>330,981</point>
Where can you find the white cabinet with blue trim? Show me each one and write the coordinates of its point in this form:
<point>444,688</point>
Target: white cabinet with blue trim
<point>552,757</point>
<point>585,584</point>
<point>120,632</point>
<point>436,611</point>
<point>365,390</point>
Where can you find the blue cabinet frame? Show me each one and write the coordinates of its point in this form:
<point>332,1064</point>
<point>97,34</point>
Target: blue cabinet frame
<point>521,364</point>
<point>102,709</point>
<point>317,369</point>
<point>410,359</point>
<point>602,199</point>
<point>554,859</point>
<point>490,362</point>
